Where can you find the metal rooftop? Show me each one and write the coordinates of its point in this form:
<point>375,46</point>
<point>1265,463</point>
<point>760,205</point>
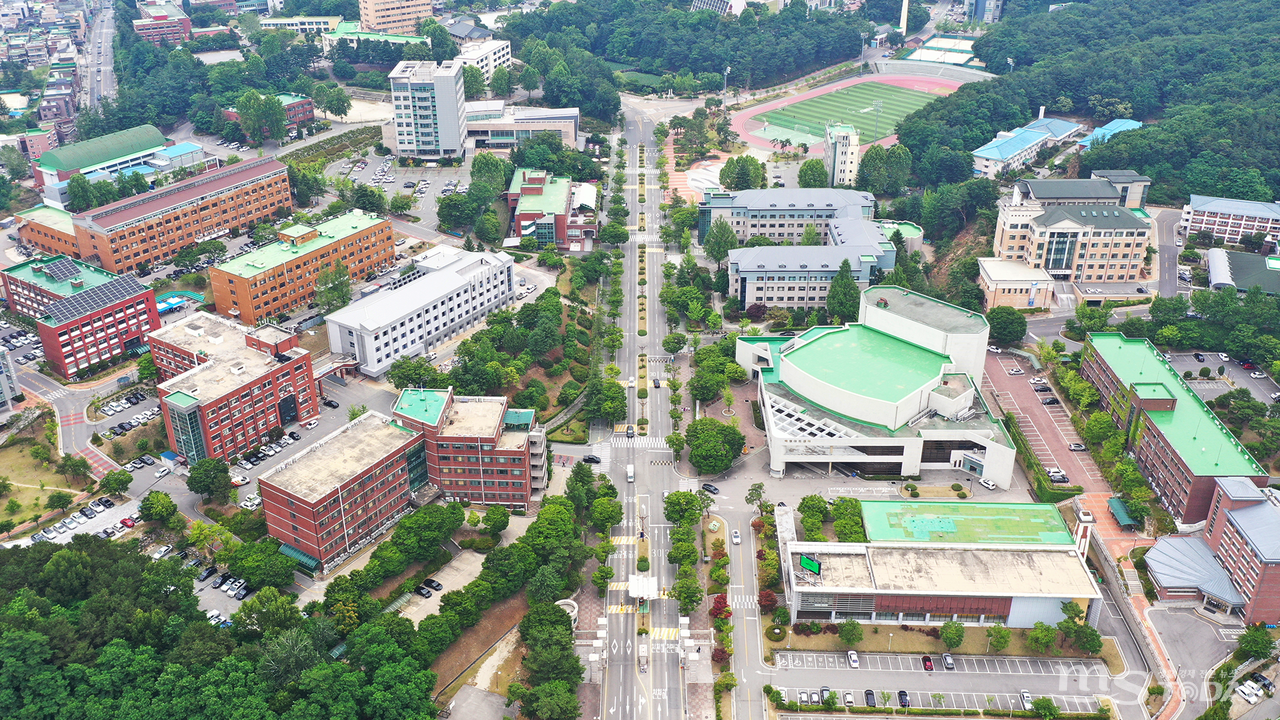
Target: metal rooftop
<point>965,523</point>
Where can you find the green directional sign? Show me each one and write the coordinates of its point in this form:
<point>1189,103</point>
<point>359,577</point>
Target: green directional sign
<point>810,564</point>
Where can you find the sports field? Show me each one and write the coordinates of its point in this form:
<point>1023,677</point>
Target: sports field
<point>852,105</point>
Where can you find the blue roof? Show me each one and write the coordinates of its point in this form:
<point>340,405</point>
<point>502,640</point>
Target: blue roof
<point>1103,133</point>
<point>1055,127</point>
<point>169,455</point>
<point>1184,561</point>
<point>179,149</point>
<point>1006,147</point>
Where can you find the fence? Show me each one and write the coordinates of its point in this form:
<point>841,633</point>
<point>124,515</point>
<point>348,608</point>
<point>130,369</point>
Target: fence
<point>1130,615</point>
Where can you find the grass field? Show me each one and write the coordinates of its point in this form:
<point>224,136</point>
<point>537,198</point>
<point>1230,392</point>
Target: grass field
<point>849,106</point>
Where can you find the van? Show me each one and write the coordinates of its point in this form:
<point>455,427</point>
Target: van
<point>631,473</point>
<point>431,356</point>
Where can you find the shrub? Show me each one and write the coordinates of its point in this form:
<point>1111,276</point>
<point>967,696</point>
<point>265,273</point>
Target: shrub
<point>775,633</point>
<point>957,487</point>
<point>579,372</point>
<point>962,494</point>
<point>642,564</point>
<point>481,544</point>
<point>642,393</point>
<point>915,493</point>
<point>910,486</point>
<point>719,655</point>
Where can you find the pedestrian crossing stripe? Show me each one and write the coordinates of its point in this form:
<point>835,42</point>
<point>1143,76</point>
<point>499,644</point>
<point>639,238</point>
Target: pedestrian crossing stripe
<point>662,462</point>
<point>664,633</point>
<point>619,585</point>
<point>622,609</point>
<point>623,539</point>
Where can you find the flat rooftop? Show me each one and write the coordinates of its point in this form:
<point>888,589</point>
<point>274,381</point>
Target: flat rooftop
<point>59,220</point>
<point>203,333</point>
<point>1195,433</point>
<point>338,457</point>
<point>422,404</point>
<point>925,310</point>
<point>57,273</point>
<point>965,523</point>
<point>889,369</point>
<point>269,257</point>
<point>553,199</point>
<point>471,416</point>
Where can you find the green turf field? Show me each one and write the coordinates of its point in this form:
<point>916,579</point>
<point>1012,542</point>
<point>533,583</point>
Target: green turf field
<point>847,106</point>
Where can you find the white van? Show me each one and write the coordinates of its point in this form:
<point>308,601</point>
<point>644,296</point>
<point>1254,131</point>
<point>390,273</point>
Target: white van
<point>431,356</point>
<point>631,473</point>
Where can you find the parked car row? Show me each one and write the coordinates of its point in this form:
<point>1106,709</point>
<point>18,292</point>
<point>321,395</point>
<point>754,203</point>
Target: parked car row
<point>237,588</point>
<point>248,462</point>
<point>124,403</point>
<point>427,586</point>
<point>75,520</point>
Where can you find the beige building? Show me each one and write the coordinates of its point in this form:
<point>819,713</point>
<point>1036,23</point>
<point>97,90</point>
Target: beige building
<point>1012,283</point>
<point>492,123</point>
<point>840,155</point>
<point>487,55</point>
<point>304,23</point>
<point>393,16</point>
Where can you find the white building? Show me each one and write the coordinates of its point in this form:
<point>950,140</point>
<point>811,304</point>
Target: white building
<point>8,385</point>
<point>487,55</point>
<point>912,405</point>
<point>1012,149</point>
<point>841,154</point>
<point>428,104</point>
<point>1228,218</point>
<point>494,124</point>
<point>449,291</point>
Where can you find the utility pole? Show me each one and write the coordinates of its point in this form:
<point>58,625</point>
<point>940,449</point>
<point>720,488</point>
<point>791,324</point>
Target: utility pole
<point>862,53</point>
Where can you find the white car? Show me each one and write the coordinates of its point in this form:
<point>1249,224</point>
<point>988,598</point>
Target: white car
<point>162,472</point>
<point>987,484</point>
<point>1248,695</point>
<point>1038,381</point>
<point>853,659</point>
<point>1257,375</point>
<point>737,538</point>
<point>1017,371</point>
<point>1224,357</point>
<point>994,349</point>
<point>161,552</point>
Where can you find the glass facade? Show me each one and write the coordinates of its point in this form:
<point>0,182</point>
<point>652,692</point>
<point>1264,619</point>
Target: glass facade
<point>187,436</point>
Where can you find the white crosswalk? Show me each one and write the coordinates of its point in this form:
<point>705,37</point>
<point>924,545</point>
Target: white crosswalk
<point>743,602</point>
<point>604,450</point>
<point>652,441</point>
<point>52,394</point>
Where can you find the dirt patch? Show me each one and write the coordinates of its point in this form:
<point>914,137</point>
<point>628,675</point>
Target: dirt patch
<point>499,665</point>
<point>476,641</point>
<point>317,344</point>
<point>967,243</point>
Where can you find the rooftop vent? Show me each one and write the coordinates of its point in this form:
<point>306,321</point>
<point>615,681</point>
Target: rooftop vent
<point>237,369</point>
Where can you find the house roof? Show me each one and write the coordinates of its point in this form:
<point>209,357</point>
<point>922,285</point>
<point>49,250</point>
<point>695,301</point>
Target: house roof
<point>1071,189</point>
<point>1225,206</point>
<point>102,149</point>
<point>1017,140</point>
<point>469,31</point>
<point>1055,127</point>
<point>1245,270</point>
<point>1107,217</point>
<point>1259,523</point>
<point>1184,561</point>
<point>1240,488</point>
<point>779,198</point>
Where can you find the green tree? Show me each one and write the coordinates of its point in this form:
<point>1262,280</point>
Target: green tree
<point>1099,428</point>
<point>713,445</point>
<point>337,102</point>
<point>1045,708</point>
<point>1000,636</point>
<point>116,482</point>
<point>274,119</point>
<point>333,288</point>
<point>674,343</point>
<point>500,82</point>
<point>605,513</point>
<point>615,233</point>
<point>529,79</point>
<point>79,194</point>
<point>58,500</point>
<point>356,411</point>
<point>546,585</point>
<point>675,441</point>
<point>249,108</point>
<point>1255,643</point>
<point>7,526</point>
<point>1008,326</point>
<point>472,82</point>
<point>265,614</point>
<point>147,369</point>
<point>16,166</point>
<point>13,507</point>
<point>497,519</point>
<point>813,174</point>
<point>851,632</point>
<point>688,594</point>
<point>211,478</point>
<point>157,507</point>
<point>720,240</point>
<point>261,564</point>
<point>952,634</point>
<point>809,238</point>
<point>400,204</point>
<point>843,297</point>
<point>1042,637</point>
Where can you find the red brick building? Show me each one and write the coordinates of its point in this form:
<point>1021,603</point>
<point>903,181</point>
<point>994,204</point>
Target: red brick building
<point>84,315</point>
<point>476,448</point>
<point>162,21</point>
<point>342,492</point>
<point>224,386</point>
<point>553,210</point>
<point>297,109</point>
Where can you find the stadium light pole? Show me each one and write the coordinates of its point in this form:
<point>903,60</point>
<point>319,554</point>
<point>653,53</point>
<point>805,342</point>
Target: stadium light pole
<point>862,53</point>
<point>878,105</point>
<point>1010,61</point>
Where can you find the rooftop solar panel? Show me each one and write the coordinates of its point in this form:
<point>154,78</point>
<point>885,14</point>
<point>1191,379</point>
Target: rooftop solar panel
<point>62,269</point>
<point>83,303</point>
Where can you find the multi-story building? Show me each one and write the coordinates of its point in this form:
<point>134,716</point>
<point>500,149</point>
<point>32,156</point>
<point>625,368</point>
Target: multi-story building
<point>494,124</point>
<point>393,16</point>
<point>154,226</point>
<point>798,277</point>
<point>781,214</point>
<point>477,448</point>
<point>224,387</point>
<point>163,160</point>
<point>1177,441</point>
<point>351,32</point>
<point>719,7</point>
<point>343,490</point>
<point>553,210</point>
<point>840,155</point>
<point>35,142</point>
<point>1014,148</point>
<point>110,153</point>
<point>448,291</point>
<point>84,315</point>
<point>1066,227</point>
<point>1228,218</point>
<point>983,11</point>
<point>162,21</point>
<point>466,32</point>
<point>226,6</point>
<point>912,404</point>
<point>1234,565</point>
<point>487,55</point>
<point>314,24</point>
<point>9,388</point>
<point>1013,283</point>
<point>272,279</point>
<point>429,117</point>
<point>297,109</point>
<point>1243,271</point>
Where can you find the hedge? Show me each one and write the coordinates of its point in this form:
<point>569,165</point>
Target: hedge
<point>1045,491</point>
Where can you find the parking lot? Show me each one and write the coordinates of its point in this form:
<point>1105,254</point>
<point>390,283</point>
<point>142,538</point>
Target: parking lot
<point>23,345</point>
<point>953,700</point>
<point>108,518</point>
<point>211,598</point>
<point>393,182</point>
<point>964,663</point>
<point>1261,388</point>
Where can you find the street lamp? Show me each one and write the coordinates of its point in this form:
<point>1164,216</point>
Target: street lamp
<point>890,642</point>
<point>726,80</point>
<point>862,53</point>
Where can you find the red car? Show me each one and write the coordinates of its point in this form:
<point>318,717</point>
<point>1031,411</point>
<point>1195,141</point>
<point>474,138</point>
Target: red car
<point>128,522</point>
<point>928,663</point>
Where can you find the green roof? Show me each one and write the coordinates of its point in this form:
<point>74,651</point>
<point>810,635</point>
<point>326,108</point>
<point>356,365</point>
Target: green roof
<point>1195,433</point>
<point>1152,391</point>
<point>181,399</point>
<point>1121,513</point>
<point>889,368</point>
<point>555,193</point>
<point>99,150</point>
<point>351,31</point>
<point>965,522</point>
<point>52,217</point>
<point>270,256</point>
<point>422,404</point>
<point>91,276</point>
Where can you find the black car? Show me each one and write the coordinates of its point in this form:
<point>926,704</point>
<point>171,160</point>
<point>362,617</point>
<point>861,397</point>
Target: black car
<point>1264,681</point>
<point>788,333</point>
<point>331,404</point>
<point>253,460</point>
<point>1042,388</point>
<point>106,502</point>
<point>433,584</point>
<point>207,573</point>
<point>88,512</point>
<point>295,436</point>
<point>870,698</point>
<point>904,700</point>
<point>101,534</point>
<point>39,538</point>
<point>243,593</point>
<point>593,459</point>
<point>711,488</point>
<point>423,590</point>
<point>1049,401</point>
<point>147,460</point>
<point>183,554</point>
<point>221,579</point>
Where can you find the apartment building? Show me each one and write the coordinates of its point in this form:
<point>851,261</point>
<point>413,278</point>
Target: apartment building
<point>297,109</point>
<point>393,16</point>
<point>303,23</point>
<point>1177,441</point>
<point>494,124</point>
<point>275,278</point>
<point>477,448</point>
<point>342,491</point>
<point>226,6</point>
<point>429,109</point>
<point>224,386</point>
<point>1012,149</point>
<point>553,210</point>
<point>154,226</point>
<point>781,214</point>
<point>448,292</point>
<point>487,55</point>
<point>162,21</point>
<point>799,277</point>
<point>840,155</point>
<point>84,315</point>
<point>1228,218</point>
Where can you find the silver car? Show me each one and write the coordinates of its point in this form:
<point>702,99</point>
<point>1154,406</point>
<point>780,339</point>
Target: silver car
<point>235,586</point>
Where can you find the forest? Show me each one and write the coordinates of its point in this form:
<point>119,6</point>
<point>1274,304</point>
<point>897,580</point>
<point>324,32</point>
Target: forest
<point>1201,74</point>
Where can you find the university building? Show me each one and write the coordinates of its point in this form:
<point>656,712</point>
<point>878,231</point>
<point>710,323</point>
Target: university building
<point>1228,218</point>
<point>429,109</point>
<point>781,214</point>
<point>553,210</point>
<point>393,16</point>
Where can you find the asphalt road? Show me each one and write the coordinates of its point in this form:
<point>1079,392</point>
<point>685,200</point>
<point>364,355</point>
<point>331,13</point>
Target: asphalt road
<point>1166,237</point>
<point>98,61</point>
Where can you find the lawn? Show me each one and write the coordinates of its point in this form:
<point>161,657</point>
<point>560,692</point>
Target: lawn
<point>32,482</point>
<point>853,105</point>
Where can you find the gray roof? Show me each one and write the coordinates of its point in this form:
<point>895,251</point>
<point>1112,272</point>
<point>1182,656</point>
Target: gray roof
<point>1260,525</point>
<point>1231,206</point>
<point>1071,189</point>
<point>1240,488</point>
<point>780,257</point>
<point>802,199</point>
<point>469,31</point>
<point>1241,270</point>
<point>1106,217</point>
<point>858,234</point>
<point>76,306</point>
<point>1123,176</point>
<point>1184,561</point>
